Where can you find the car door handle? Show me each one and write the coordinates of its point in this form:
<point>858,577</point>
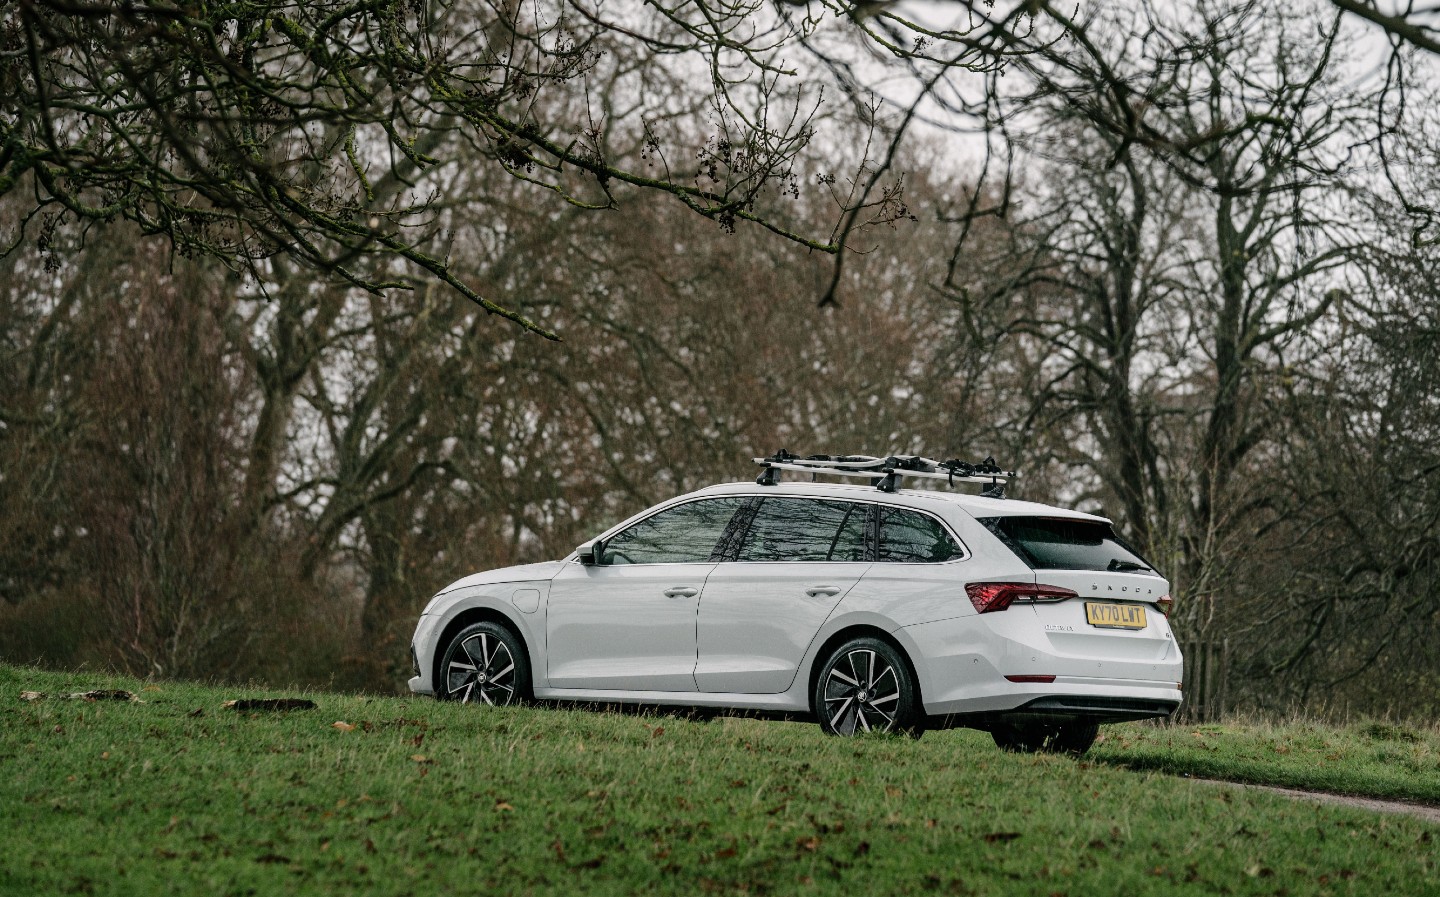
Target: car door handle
<point>817,591</point>
<point>681,592</point>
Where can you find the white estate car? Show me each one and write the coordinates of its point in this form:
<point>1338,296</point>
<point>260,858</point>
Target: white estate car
<point>864,608</point>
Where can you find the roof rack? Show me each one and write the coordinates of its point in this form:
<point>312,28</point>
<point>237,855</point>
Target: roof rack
<point>887,472</point>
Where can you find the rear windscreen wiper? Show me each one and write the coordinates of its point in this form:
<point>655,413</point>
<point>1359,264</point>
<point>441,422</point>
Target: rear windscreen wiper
<point>1119,566</point>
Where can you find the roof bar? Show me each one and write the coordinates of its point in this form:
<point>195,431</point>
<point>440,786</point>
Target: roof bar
<point>888,472</point>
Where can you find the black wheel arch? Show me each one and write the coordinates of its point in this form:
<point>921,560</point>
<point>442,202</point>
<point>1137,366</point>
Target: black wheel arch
<point>469,617</point>
<point>862,630</point>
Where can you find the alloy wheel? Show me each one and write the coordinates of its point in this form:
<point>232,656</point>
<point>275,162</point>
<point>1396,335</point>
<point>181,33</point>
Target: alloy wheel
<point>862,693</point>
<point>482,671</point>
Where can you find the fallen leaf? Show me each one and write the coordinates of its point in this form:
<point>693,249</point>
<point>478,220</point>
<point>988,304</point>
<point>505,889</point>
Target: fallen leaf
<point>590,864</point>
<point>197,712</point>
<point>421,758</point>
<point>31,695</point>
<point>503,807</point>
<point>342,726</point>
<point>725,853</point>
<point>810,843</point>
<point>656,733</point>
<point>418,739</point>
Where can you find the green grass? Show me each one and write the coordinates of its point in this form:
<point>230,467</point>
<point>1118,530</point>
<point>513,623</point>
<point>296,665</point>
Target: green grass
<point>1372,759</point>
<point>178,795</point>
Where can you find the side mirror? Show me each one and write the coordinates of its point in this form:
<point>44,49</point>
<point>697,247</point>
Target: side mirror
<point>591,553</point>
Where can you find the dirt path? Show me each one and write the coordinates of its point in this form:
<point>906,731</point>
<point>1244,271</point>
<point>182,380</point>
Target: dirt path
<point>1419,811</point>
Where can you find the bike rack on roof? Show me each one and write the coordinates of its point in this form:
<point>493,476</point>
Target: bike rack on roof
<point>887,472</point>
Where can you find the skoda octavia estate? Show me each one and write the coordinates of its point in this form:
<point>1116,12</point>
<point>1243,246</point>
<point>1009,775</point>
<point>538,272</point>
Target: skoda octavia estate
<point>864,607</point>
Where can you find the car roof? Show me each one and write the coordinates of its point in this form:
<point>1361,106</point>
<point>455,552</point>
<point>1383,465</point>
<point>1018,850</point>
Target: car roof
<point>974,505</point>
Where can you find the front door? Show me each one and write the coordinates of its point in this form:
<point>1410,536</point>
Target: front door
<point>629,627</point>
<point>628,622</point>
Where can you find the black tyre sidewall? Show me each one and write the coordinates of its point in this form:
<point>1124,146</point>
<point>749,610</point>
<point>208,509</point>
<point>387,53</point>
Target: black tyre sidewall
<point>909,715</point>
<point>513,644</point>
<point>1074,738</point>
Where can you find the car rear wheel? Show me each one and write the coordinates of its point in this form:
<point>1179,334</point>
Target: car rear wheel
<point>1051,738</point>
<point>866,686</point>
<point>485,663</point>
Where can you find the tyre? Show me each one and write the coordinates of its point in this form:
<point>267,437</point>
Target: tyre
<point>866,686</point>
<point>485,663</point>
<point>1051,738</point>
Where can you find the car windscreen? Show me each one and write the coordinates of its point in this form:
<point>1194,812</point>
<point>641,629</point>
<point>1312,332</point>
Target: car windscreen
<point>1059,543</point>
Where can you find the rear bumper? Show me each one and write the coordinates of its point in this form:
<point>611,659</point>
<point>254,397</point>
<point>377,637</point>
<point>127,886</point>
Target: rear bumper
<point>1114,700</point>
<point>965,662</point>
<point>1068,708</point>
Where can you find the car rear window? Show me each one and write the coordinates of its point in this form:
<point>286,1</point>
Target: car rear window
<point>909,537</point>
<point>1060,543</point>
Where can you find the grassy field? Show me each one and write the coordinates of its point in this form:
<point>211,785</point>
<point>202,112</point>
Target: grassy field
<point>1372,759</point>
<point>407,796</point>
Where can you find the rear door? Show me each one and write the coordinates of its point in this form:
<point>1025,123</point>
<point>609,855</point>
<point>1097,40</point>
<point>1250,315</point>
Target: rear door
<point>760,611</point>
<point>1115,616</point>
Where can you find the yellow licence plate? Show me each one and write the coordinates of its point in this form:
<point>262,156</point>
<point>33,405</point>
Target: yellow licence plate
<point>1115,616</point>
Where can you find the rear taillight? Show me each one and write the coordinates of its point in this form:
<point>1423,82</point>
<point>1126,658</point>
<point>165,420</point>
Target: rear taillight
<point>993,596</point>
<point>1165,602</point>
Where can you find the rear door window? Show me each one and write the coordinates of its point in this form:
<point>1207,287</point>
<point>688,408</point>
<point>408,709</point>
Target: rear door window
<point>910,537</point>
<point>1059,543</point>
<point>804,529</point>
<point>684,534</point>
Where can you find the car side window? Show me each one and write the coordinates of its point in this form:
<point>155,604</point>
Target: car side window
<point>805,529</point>
<point>909,537</point>
<point>683,534</point>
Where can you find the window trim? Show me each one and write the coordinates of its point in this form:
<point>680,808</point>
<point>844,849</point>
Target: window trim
<point>716,553</point>
<point>965,553</point>
<point>750,501</point>
<point>872,531</point>
<point>753,509</point>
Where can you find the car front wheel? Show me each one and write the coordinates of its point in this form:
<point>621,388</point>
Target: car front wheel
<point>866,686</point>
<point>484,664</point>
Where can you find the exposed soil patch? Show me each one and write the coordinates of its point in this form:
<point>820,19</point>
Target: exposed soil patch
<point>1426,812</point>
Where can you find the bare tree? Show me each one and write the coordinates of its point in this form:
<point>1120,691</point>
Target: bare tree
<point>1199,233</point>
<point>260,132</point>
